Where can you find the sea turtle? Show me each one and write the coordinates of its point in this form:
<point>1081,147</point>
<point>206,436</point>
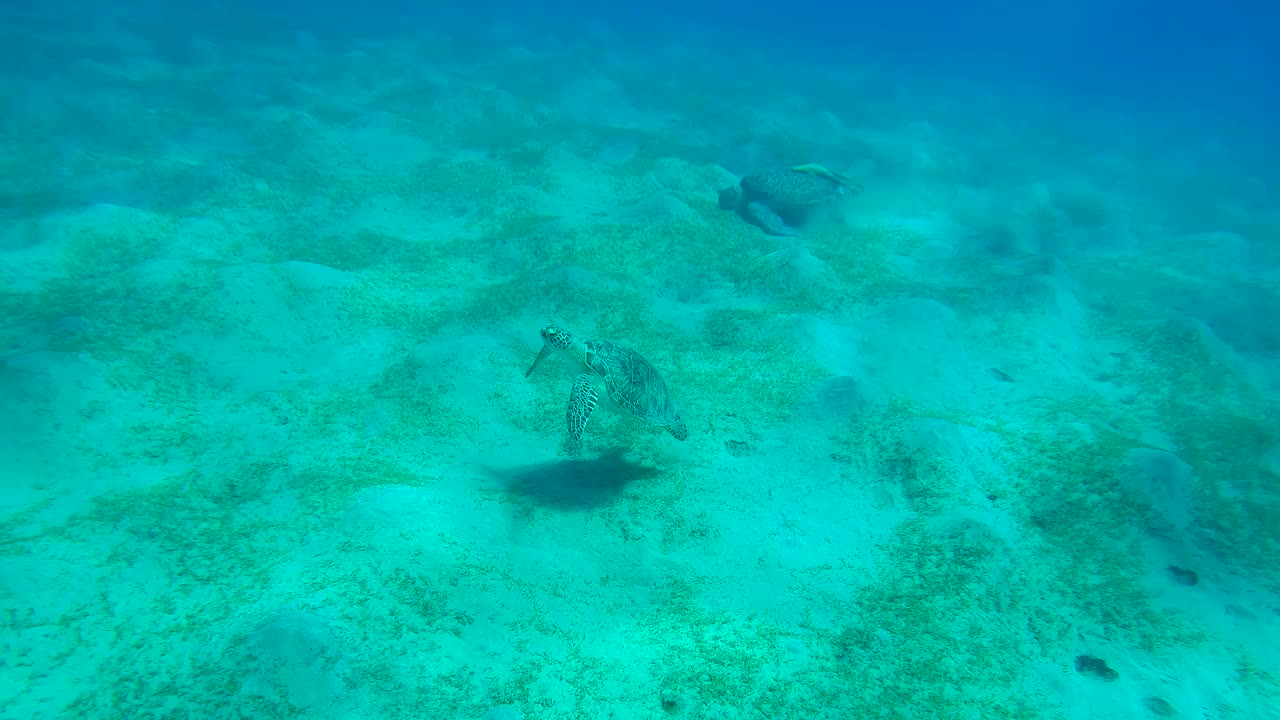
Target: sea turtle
<point>781,200</point>
<point>630,383</point>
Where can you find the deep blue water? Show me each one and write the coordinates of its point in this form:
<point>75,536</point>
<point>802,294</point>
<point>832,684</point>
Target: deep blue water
<point>1208,56</point>
<point>1180,53</point>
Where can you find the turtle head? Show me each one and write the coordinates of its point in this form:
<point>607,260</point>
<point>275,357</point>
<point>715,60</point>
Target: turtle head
<point>729,197</point>
<point>557,337</point>
<point>554,338</point>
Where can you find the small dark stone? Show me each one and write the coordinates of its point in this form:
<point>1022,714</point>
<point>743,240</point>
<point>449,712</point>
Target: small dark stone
<point>670,703</point>
<point>1159,706</point>
<point>1183,576</point>
<point>1097,667</point>
<point>71,325</point>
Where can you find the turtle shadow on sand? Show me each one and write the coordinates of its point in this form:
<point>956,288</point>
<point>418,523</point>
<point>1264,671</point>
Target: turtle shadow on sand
<point>574,483</point>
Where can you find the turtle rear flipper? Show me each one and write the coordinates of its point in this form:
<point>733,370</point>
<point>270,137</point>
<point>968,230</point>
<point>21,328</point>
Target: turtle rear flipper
<point>768,220</point>
<point>678,429</point>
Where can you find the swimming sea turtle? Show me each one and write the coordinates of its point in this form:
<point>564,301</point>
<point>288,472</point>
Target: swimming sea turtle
<point>630,382</point>
<point>780,200</point>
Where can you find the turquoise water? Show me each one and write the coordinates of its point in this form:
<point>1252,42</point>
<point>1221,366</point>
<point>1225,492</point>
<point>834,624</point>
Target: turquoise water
<point>989,432</point>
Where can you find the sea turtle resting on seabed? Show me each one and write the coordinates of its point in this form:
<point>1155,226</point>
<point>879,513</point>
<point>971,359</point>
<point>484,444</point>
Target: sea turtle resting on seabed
<point>781,200</point>
<point>630,383</point>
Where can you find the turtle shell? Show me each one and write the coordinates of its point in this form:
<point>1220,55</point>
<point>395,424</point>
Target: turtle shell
<point>788,188</point>
<point>631,381</point>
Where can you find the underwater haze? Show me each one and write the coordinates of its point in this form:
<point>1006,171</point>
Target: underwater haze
<point>730,361</point>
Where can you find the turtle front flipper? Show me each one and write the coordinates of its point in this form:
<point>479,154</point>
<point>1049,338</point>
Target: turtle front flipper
<point>582,402</point>
<point>764,217</point>
<point>730,197</point>
<point>542,355</point>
